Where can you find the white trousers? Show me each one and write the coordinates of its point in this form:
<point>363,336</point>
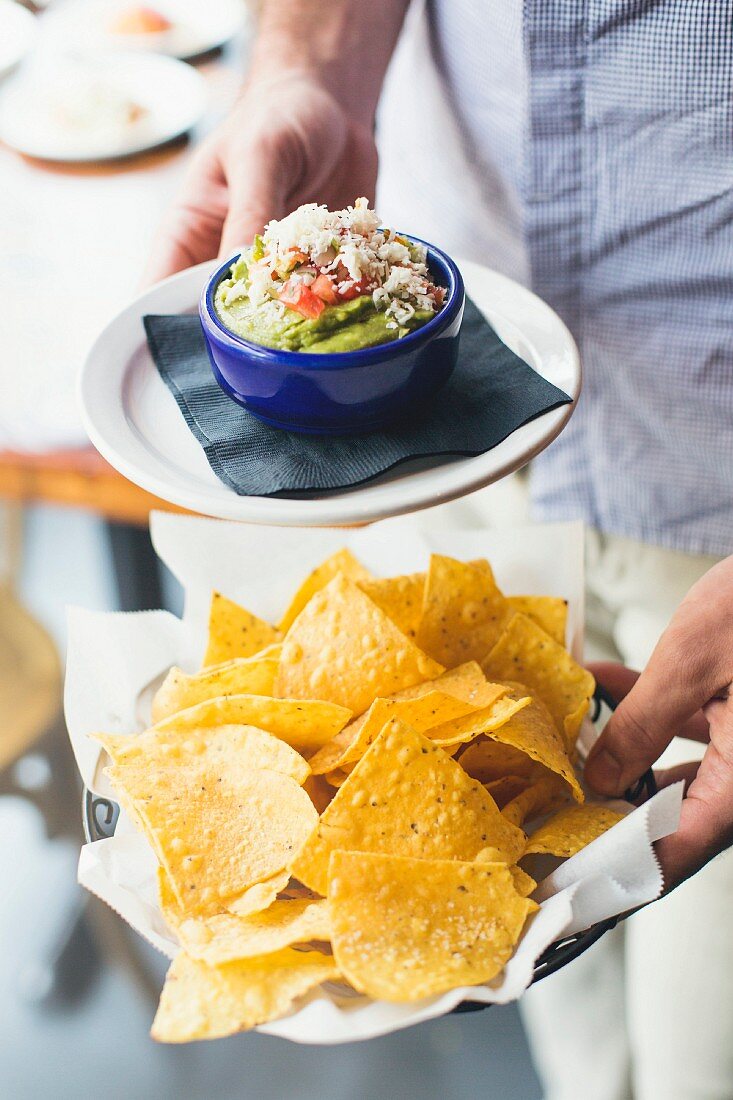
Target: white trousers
<point>647,1013</point>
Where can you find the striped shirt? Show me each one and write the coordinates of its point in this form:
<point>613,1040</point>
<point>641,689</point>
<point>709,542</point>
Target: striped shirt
<point>586,147</point>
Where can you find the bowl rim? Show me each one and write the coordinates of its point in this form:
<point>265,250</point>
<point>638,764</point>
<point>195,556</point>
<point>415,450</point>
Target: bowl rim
<point>334,360</point>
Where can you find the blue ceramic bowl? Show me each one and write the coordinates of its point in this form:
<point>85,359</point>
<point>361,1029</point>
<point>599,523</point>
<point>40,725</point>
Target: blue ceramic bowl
<point>344,392</point>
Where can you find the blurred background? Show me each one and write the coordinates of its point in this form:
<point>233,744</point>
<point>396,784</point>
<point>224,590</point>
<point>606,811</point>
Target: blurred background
<point>101,104</point>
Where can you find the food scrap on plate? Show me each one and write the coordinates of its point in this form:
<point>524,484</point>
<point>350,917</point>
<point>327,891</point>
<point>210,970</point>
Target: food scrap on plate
<point>348,796</point>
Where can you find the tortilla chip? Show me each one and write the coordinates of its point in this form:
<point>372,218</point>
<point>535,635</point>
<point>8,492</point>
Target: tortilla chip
<point>337,777</point>
<point>319,791</point>
<point>235,632</point>
<point>242,676</point>
<point>400,598</point>
<point>250,747</point>
<point>342,648</point>
<point>524,884</point>
<point>463,611</point>
<point>526,653</point>
<point>531,730</point>
<point>204,1002</point>
<point>537,799</point>
<point>219,830</point>
<point>406,797</point>
<point>296,889</point>
<point>253,900</point>
<point>549,612</point>
<point>488,760</point>
<point>405,929</point>
<point>573,722</point>
<point>485,720</point>
<point>432,709</point>
<point>225,937</point>
<point>167,901</point>
<point>466,683</point>
<point>572,829</point>
<point>505,789</point>
<point>260,896</point>
<point>344,562</point>
<point>304,724</point>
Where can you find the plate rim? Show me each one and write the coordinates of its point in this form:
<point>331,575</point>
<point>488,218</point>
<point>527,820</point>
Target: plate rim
<point>346,508</point>
<point>197,85</point>
<point>236,23</point>
<point>24,19</point>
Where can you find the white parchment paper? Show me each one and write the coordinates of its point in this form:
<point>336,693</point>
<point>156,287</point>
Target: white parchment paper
<point>116,660</point>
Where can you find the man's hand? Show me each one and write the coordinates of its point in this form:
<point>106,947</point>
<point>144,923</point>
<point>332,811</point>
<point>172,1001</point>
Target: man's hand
<point>285,143</point>
<point>685,690</point>
<point>302,130</point>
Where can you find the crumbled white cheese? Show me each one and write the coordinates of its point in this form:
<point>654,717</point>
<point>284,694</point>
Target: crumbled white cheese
<point>349,246</point>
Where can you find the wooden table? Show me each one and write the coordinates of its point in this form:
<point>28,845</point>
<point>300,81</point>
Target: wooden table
<point>86,231</point>
<point>75,478</point>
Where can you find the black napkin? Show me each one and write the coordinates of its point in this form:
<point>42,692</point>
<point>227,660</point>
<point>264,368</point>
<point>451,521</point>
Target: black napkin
<point>491,393</point>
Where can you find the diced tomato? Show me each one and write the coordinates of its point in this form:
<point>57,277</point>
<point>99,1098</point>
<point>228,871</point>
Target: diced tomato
<point>324,288</point>
<point>302,299</point>
<point>354,290</point>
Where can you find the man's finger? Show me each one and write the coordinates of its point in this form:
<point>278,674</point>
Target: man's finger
<point>706,821</point>
<point>680,772</point>
<point>615,678</point>
<point>618,682</point>
<point>190,232</point>
<point>675,685</point>
<point>184,239</point>
<point>257,190</point>
<point>244,220</point>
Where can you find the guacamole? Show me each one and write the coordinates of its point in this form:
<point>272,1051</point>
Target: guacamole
<point>345,326</point>
<point>328,281</point>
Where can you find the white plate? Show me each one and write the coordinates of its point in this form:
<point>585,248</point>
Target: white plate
<point>133,420</point>
<point>35,103</point>
<point>196,27</point>
<point>17,32</point>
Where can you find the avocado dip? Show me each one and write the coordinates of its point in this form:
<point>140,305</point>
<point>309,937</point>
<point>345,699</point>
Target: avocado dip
<point>323,281</point>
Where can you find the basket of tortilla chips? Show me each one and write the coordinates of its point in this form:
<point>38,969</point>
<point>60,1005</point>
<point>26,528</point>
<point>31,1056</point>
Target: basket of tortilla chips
<point>357,797</point>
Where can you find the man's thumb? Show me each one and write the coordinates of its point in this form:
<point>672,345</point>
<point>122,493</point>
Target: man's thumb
<point>256,196</point>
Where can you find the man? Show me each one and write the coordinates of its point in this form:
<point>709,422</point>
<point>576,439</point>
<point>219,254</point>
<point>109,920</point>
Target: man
<point>586,147</point>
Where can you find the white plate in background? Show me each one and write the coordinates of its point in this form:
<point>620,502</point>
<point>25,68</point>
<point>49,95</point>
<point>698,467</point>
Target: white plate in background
<point>17,32</point>
<point>134,422</point>
<point>86,108</point>
<point>197,26</point>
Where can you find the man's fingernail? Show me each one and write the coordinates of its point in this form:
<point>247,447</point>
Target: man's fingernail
<point>604,772</point>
